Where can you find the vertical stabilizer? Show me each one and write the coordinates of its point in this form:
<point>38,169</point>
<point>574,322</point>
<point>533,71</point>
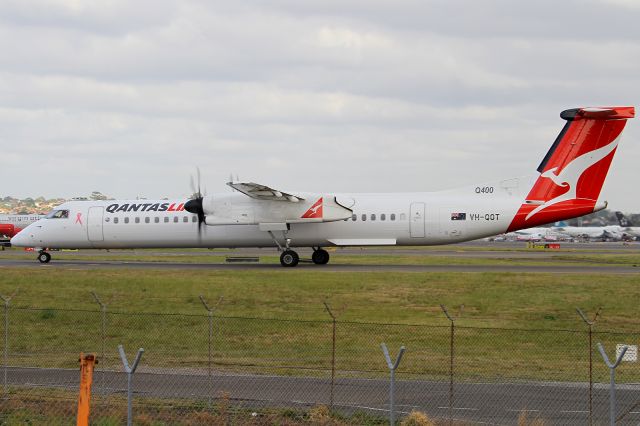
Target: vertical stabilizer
<point>573,171</point>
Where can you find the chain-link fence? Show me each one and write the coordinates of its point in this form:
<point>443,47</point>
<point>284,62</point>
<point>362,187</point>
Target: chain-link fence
<point>200,369</point>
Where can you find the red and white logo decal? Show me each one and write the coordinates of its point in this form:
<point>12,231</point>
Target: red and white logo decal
<point>572,174</point>
<point>568,177</point>
<point>315,212</point>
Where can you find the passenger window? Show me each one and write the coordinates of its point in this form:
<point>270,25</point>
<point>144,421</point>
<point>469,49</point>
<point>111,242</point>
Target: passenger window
<point>175,219</point>
<point>373,217</point>
<point>403,216</point>
<point>147,219</point>
<point>106,219</point>
<point>156,219</point>
<point>364,217</point>
<point>354,217</point>
<point>393,216</point>
<point>194,219</point>
<point>126,220</point>
<point>383,216</point>
<point>185,219</point>
<point>115,220</point>
<point>137,220</point>
<point>166,219</point>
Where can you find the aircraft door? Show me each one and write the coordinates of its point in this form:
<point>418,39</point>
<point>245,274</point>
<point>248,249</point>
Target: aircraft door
<point>94,224</point>
<point>416,220</point>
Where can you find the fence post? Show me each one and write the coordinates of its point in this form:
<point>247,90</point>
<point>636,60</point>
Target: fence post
<point>333,354</point>
<point>451,357</point>
<point>209,371</point>
<point>392,383</point>
<point>103,337</point>
<point>5,362</point>
<point>130,370</point>
<point>590,324</point>
<point>87,364</point>
<point>612,375</point>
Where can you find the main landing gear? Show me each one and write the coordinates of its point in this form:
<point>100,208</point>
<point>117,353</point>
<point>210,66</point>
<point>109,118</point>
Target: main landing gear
<point>44,257</point>
<point>289,258</point>
<point>320,256</point>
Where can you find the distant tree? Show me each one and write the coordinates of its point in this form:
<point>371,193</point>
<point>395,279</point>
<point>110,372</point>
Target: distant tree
<point>601,218</point>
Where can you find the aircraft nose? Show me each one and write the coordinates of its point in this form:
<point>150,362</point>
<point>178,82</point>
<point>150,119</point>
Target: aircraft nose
<point>20,239</point>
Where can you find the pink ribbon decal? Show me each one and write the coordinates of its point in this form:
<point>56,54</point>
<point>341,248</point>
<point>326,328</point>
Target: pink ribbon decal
<point>79,218</point>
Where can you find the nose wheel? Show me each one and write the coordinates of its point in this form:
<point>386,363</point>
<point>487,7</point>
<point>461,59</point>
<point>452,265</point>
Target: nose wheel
<point>44,257</point>
<point>289,258</point>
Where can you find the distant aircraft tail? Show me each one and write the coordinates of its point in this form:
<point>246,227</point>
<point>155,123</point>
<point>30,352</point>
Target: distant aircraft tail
<point>623,221</point>
<point>573,171</point>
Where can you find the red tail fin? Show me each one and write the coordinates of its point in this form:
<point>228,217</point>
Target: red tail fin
<point>573,171</point>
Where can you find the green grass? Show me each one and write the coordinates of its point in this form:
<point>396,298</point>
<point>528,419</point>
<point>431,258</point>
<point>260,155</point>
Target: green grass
<point>274,322</point>
<point>490,299</point>
<point>397,308</point>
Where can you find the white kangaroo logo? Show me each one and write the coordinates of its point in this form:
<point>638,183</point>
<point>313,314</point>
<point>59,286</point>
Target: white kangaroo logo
<point>571,173</point>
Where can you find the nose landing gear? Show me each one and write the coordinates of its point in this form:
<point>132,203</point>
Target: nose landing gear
<point>289,258</point>
<point>44,257</point>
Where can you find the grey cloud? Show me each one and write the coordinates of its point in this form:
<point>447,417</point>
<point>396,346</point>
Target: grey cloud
<point>128,98</point>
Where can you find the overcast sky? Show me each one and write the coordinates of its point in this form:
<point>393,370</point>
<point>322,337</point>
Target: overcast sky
<point>127,98</point>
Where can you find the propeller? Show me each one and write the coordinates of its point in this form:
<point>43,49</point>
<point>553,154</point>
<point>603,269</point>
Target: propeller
<point>194,205</point>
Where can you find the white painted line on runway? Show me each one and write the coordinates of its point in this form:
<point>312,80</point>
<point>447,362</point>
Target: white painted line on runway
<point>364,407</point>
<point>523,409</point>
<point>460,408</point>
<point>574,411</point>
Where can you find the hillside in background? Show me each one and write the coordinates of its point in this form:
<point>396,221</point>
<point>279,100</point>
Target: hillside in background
<point>40,205</point>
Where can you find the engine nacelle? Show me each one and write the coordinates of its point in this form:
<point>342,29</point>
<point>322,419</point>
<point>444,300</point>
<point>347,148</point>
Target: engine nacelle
<point>237,209</point>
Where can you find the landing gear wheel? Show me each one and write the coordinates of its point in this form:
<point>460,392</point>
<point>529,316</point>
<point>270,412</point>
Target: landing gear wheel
<point>320,257</point>
<point>289,258</point>
<point>44,257</point>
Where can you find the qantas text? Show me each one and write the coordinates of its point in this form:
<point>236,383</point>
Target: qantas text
<point>146,207</point>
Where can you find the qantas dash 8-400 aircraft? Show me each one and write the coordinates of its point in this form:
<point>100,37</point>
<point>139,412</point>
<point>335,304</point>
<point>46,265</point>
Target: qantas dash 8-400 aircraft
<point>567,185</point>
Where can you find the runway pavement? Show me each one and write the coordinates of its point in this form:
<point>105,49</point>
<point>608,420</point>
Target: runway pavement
<point>110,264</point>
<point>482,403</point>
<point>498,257</point>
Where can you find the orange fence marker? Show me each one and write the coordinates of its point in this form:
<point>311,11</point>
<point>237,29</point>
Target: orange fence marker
<point>87,362</point>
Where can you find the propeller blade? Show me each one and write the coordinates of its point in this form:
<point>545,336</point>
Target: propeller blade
<point>198,174</point>
<point>194,205</point>
<point>192,185</point>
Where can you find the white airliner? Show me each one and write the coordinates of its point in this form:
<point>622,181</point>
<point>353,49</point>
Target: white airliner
<point>11,224</point>
<point>535,234</point>
<point>600,233</point>
<point>568,184</point>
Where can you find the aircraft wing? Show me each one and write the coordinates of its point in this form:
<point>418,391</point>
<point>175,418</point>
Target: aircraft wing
<point>263,192</point>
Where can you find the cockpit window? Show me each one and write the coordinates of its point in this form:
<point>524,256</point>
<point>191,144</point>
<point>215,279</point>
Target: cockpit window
<point>58,214</point>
